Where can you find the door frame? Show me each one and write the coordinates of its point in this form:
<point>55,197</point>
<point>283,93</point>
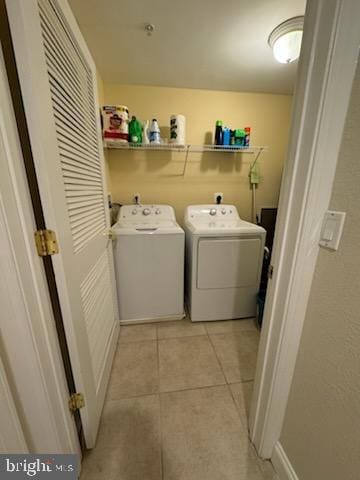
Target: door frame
<point>326,71</point>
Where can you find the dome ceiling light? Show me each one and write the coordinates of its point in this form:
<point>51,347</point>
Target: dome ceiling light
<point>285,40</point>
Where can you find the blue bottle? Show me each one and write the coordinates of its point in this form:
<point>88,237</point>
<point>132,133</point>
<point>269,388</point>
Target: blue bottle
<point>226,136</point>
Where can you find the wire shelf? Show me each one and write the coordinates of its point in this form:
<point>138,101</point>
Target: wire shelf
<point>168,147</point>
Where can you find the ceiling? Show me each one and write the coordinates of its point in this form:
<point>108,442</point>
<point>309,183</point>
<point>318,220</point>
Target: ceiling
<point>208,44</point>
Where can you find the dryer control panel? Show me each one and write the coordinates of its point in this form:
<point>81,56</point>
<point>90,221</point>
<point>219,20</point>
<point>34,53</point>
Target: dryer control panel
<point>146,212</point>
<point>205,212</point>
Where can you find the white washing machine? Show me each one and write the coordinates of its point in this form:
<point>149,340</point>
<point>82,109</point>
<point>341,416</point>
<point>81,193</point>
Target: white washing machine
<point>149,262</point>
<point>224,256</point>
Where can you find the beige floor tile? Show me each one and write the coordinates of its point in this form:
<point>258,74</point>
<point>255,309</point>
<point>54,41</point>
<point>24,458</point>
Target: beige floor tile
<point>135,370</point>
<point>137,333</point>
<point>242,393</point>
<point>188,363</point>
<point>180,328</point>
<point>203,438</point>
<point>129,442</point>
<point>237,354</point>
<point>232,326</point>
<point>267,470</point>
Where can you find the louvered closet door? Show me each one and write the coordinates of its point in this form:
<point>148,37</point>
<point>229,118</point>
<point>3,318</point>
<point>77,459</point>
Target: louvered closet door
<point>58,81</point>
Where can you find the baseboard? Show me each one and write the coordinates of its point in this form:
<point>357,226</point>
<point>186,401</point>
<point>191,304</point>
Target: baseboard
<point>137,321</point>
<point>282,465</point>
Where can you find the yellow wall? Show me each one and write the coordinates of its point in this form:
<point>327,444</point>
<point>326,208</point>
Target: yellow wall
<point>100,88</point>
<point>157,175</point>
<point>101,100</point>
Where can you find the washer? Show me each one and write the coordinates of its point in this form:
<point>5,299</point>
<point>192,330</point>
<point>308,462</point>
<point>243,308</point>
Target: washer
<point>149,261</point>
<point>224,256</point>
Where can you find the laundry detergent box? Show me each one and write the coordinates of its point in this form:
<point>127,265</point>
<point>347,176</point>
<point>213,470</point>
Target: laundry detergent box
<point>115,119</point>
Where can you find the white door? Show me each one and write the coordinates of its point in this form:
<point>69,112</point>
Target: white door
<point>11,434</point>
<point>58,82</point>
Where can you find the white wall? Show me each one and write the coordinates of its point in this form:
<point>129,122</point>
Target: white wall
<point>321,429</point>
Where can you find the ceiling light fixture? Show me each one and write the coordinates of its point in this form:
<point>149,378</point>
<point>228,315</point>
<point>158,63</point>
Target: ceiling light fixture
<point>285,40</point>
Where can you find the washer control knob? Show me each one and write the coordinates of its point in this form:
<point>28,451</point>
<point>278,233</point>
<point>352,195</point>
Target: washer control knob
<point>146,211</point>
<point>134,212</point>
<point>157,211</point>
<point>213,211</point>
<point>223,211</point>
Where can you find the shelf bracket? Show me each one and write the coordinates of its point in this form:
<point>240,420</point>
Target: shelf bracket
<point>186,159</point>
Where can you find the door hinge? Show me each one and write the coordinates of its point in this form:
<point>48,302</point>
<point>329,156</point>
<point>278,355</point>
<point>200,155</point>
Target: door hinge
<point>76,401</point>
<point>270,271</point>
<point>46,242</point>
<point>109,233</point>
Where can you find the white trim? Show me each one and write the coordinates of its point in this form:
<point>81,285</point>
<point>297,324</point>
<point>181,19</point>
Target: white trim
<point>282,465</point>
<point>325,79</point>
<point>31,351</point>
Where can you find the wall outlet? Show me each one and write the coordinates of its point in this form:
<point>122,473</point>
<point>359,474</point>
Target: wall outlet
<point>218,194</point>
<point>137,198</point>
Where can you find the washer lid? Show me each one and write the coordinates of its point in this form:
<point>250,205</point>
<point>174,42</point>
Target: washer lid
<point>159,227</point>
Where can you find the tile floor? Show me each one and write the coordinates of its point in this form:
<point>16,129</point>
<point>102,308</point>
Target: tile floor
<point>177,405</point>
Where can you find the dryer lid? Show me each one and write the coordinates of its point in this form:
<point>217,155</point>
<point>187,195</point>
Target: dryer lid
<point>225,227</point>
<point>218,220</point>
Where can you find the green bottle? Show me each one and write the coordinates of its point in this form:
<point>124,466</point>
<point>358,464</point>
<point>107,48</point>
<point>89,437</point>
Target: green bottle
<point>239,137</point>
<point>135,131</point>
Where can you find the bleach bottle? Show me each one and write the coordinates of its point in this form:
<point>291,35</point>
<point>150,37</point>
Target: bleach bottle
<point>154,133</point>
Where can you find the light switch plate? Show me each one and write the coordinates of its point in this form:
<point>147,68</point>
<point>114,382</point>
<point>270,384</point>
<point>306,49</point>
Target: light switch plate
<point>332,228</point>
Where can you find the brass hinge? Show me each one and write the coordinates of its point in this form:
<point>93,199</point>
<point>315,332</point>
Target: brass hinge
<point>270,271</point>
<point>109,233</point>
<point>46,242</point>
<point>76,401</point>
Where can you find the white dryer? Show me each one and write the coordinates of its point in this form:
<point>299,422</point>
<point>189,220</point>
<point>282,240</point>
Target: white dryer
<point>149,263</point>
<point>224,256</point>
